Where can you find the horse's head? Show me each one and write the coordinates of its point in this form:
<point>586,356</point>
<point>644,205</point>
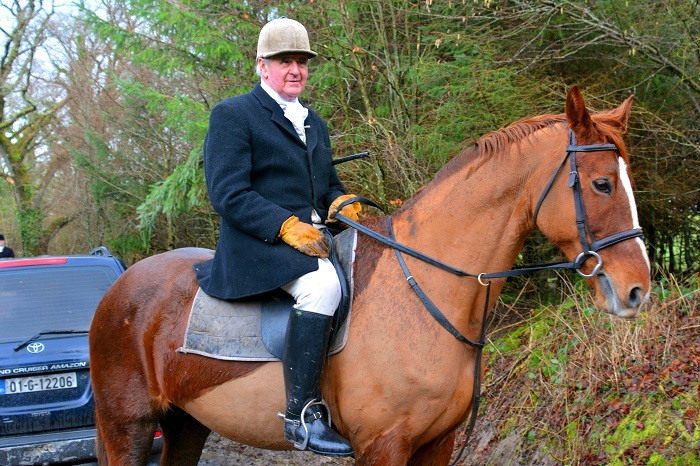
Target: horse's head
<point>606,223</point>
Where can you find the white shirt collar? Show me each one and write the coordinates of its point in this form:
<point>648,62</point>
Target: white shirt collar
<point>272,93</point>
<point>293,110</point>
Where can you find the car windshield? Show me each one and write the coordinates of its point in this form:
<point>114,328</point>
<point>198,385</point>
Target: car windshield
<point>36,299</point>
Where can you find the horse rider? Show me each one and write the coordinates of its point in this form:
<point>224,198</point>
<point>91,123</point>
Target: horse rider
<point>267,163</point>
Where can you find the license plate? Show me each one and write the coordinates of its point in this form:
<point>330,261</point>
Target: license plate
<point>39,383</point>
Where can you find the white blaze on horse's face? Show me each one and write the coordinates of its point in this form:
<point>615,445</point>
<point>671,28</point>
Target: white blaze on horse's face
<point>625,308</point>
<point>627,184</point>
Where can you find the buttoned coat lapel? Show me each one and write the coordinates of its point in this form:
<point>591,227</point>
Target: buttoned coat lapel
<point>277,117</point>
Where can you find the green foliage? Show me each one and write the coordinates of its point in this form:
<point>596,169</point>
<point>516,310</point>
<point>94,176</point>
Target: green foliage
<point>650,424</point>
<point>30,220</point>
<point>181,115</point>
<point>124,244</point>
<point>177,38</point>
<point>183,190</point>
<point>8,224</point>
<point>465,96</point>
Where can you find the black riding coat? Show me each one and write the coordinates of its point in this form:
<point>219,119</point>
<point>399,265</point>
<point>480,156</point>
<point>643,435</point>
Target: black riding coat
<point>259,173</point>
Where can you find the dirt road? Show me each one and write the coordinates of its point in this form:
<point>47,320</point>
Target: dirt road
<point>220,451</point>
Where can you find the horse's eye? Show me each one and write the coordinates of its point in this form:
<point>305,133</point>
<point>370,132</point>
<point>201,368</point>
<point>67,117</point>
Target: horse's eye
<point>602,185</point>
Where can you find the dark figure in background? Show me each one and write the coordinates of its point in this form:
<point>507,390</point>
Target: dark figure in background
<point>269,174</point>
<point>4,250</point>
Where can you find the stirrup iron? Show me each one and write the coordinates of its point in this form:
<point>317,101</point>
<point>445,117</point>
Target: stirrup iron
<point>302,421</point>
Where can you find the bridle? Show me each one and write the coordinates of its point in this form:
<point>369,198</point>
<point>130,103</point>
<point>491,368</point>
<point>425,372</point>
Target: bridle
<point>587,250</point>
<point>582,224</point>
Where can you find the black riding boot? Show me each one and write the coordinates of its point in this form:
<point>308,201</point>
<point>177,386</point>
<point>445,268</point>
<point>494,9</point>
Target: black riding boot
<point>305,347</point>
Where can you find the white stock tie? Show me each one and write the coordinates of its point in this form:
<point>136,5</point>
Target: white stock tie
<point>297,113</point>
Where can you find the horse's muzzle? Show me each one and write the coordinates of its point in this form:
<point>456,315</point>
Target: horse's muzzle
<point>625,305</point>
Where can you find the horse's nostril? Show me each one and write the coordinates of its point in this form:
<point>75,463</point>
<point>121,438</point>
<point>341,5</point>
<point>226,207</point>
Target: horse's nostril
<point>636,297</point>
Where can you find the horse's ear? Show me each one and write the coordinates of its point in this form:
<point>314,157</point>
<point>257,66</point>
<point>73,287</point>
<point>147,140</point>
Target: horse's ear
<point>621,114</point>
<point>576,113</point>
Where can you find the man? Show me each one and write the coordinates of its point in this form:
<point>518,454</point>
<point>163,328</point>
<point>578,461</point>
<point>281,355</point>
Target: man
<point>4,250</point>
<point>267,162</point>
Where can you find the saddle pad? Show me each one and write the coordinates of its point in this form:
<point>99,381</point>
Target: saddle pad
<point>233,330</point>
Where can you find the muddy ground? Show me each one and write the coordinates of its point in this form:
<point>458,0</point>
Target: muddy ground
<point>485,448</point>
<point>220,451</point>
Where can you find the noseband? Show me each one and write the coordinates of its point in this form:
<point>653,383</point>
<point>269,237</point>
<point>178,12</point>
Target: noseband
<point>582,224</point>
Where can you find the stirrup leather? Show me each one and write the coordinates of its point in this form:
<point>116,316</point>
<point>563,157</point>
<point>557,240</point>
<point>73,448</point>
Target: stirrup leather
<point>302,421</point>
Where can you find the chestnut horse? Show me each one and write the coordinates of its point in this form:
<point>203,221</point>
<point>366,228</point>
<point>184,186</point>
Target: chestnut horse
<point>403,384</point>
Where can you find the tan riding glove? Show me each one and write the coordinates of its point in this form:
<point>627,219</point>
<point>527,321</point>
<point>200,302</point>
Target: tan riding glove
<point>304,237</point>
<point>350,210</point>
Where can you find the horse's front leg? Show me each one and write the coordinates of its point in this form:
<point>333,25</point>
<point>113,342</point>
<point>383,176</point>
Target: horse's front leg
<point>436,453</point>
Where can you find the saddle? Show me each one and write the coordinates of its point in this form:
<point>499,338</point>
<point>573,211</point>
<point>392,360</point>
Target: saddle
<point>254,330</point>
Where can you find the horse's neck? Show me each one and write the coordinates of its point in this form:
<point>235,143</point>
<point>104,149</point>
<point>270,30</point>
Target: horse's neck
<point>477,220</point>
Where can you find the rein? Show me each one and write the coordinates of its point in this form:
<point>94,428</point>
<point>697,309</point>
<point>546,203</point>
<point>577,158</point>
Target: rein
<point>588,250</point>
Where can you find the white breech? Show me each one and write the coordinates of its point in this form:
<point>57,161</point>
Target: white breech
<point>317,291</point>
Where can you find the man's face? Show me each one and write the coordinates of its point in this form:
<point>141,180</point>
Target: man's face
<point>286,74</point>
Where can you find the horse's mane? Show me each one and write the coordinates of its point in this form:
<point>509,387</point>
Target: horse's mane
<point>606,127</point>
<point>498,141</point>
